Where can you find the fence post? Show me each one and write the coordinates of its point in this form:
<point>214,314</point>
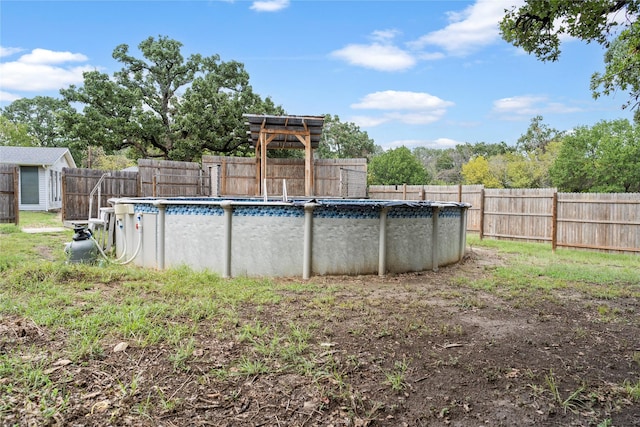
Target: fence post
<point>554,222</point>
<point>16,193</point>
<point>404,191</point>
<point>481,213</point>
<point>154,182</point>
<point>459,193</point>
<point>222,177</point>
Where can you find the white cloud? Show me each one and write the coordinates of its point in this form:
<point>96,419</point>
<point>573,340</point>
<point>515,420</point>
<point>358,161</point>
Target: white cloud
<point>29,77</point>
<point>8,51</point>
<point>384,35</point>
<point>526,104</point>
<point>558,107</point>
<point>530,105</point>
<point>470,29</point>
<point>411,108</point>
<point>269,5</point>
<point>418,118</point>
<point>368,121</point>
<point>401,100</point>
<point>45,56</point>
<point>41,70</point>
<point>8,97</point>
<point>430,56</point>
<point>445,142</point>
<point>381,57</point>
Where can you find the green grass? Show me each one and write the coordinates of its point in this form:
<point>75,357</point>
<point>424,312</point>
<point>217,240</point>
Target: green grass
<point>25,375</point>
<point>17,248</point>
<point>40,219</point>
<point>395,378</point>
<point>92,307</point>
<point>534,267</point>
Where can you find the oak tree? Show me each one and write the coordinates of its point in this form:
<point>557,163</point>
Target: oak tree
<point>165,106</point>
<point>397,166</point>
<point>601,158</point>
<point>345,140</point>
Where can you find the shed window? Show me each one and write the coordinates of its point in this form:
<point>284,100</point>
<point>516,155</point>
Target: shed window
<point>29,185</point>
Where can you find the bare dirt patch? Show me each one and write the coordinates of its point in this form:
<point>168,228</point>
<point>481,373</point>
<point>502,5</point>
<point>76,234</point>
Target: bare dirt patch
<point>416,349</point>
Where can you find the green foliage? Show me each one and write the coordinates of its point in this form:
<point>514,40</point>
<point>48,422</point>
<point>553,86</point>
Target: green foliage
<point>96,158</point>
<point>344,140</point>
<point>526,166</point>
<point>164,105</point>
<point>15,134</point>
<point>601,158</point>
<point>445,165</point>
<point>396,377</point>
<point>27,376</point>
<point>622,70</point>
<point>537,137</point>
<point>477,171</point>
<point>538,25</point>
<point>397,166</point>
<point>42,117</point>
<point>528,169</point>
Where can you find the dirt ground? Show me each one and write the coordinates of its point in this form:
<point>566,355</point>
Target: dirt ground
<point>407,350</point>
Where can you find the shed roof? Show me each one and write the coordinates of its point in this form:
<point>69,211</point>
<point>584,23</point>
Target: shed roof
<point>32,156</point>
<point>288,125</point>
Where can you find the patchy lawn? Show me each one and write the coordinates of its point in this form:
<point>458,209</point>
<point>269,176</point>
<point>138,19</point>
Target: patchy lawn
<point>514,335</point>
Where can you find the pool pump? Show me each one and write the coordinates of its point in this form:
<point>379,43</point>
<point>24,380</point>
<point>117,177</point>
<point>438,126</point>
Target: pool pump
<point>83,248</point>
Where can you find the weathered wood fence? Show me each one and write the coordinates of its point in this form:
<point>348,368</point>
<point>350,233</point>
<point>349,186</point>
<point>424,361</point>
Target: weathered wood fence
<point>600,221</point>
<point>78,184</point>
<point>608,222</point>
<point>165,178</point>
<point>218,176</point>
<point>9,194</point>
<point>332,177</point>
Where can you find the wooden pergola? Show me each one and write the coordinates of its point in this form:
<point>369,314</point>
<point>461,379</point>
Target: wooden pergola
<point>284,132</point>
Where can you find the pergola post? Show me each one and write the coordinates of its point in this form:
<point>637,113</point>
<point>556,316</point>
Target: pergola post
<point>263,162</point>
<point>258,168</point>
<point>265,129</point>
<point>308,167</point>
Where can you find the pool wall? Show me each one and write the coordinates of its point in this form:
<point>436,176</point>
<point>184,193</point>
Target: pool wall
<point>299,238</point>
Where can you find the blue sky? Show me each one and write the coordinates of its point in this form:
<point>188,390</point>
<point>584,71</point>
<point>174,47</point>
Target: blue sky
<point>413,73</point>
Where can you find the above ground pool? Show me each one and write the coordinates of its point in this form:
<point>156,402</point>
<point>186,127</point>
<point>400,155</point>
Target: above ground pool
<point>254,237</point>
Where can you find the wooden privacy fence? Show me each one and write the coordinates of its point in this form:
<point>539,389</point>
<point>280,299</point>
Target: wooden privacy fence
<point>332,177</point>
<point>598,221</point>
<point>608,222</point>
<point>77,185</point>
<point>165,178</point>
<point>9,194</point>
<point>218,176</point>
<point>517,214</point>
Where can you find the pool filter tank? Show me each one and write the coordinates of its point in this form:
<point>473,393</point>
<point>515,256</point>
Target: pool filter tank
<point>83,248</point>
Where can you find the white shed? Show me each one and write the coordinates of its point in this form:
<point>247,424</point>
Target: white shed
<point>40,175</point>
